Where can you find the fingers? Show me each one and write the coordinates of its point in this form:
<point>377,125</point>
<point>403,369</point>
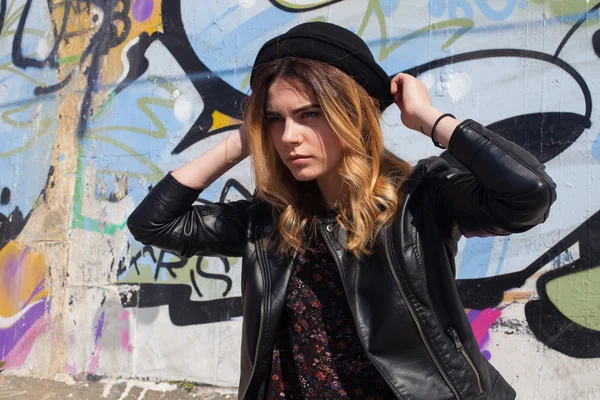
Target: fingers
<point>397,82</point>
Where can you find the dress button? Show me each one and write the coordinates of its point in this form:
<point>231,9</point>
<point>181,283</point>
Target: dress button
<point>329,228</point>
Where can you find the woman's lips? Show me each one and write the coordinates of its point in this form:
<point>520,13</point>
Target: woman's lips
<point>299,160</point>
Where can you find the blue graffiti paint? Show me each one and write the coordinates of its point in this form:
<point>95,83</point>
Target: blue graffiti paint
<point>213,192</point>
<point>596,148</point>
<point>476,258</point>
<point>389,6</point>
<point>124,138</point>
<point>493,14</point>
<point>437,8</point>
<point>231,56</point>
<point>467,10</point>
<point>502,255</point>
<point>218,19</point>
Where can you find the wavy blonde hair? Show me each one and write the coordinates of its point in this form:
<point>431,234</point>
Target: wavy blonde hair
<point>371,175</point>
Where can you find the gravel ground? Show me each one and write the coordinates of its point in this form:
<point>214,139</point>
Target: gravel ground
<point>64,387</point>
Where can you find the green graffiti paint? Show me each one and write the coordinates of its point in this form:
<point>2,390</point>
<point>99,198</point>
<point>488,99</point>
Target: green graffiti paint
<point>577,296</point>
<point>79,220</point>
<point>463,24</point>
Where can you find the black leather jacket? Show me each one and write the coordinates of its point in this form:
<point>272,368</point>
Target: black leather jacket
<point>407,311</point>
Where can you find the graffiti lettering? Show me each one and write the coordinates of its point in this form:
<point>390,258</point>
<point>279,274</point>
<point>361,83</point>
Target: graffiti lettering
<point>437,9</point>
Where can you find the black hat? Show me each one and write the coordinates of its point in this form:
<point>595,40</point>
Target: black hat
<point>336,46</point>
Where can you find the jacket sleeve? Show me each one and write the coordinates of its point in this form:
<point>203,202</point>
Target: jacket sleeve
<point>167,219</point>
<point>505,190</point>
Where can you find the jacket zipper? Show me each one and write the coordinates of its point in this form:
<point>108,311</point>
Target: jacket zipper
<point>436,361</point>
<point>461,349</point>
<point>341,270</point>
<point>266,291</point>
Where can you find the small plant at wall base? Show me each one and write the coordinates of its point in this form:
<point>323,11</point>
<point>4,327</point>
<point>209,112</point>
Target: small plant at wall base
<point>2,365</point>
<point>183,385</point>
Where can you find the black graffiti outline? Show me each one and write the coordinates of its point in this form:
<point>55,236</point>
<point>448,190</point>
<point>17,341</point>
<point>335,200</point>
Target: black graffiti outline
<point>170,266</point>
<point>506,53</point>
<point>578,122</point>
<point>23,62</point>
<point>105,38</point>
<point>551,327</point>
<point>146,249</point>
<point>223,97</point>
<point>98,47</point>
<point>2,14</point>
<point>15,221</point>
<point>574,28</point>
<point>301,10</point>
<point>235,184</point>
<point>213,276</point>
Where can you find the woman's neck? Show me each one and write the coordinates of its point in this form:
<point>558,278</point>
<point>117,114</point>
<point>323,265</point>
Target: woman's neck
<point>331,190</point>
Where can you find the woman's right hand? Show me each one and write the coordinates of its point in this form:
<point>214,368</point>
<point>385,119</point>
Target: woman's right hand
<point>209,166</point>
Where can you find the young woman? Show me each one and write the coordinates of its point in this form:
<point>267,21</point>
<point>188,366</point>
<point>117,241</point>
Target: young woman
<point>348,252</point>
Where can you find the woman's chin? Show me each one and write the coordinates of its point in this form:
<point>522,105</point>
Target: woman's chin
<point>303,176</point>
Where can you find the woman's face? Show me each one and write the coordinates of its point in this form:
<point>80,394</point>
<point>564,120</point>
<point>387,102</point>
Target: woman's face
<point>300,133</point>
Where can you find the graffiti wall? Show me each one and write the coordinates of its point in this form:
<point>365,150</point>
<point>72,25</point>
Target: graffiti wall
<point>99,99</point>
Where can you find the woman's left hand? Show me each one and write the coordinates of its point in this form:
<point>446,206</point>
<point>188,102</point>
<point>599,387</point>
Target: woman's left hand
<point>416,111</point>
<point>411,96</point>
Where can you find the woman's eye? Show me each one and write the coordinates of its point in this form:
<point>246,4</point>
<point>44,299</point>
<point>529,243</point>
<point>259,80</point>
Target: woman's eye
<point>272,120</point>
<point>311,114</point>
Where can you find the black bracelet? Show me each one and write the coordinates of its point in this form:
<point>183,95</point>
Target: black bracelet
<point>435,142</point>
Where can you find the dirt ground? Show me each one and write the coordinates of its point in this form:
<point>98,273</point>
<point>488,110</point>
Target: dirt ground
<point>63,387</point>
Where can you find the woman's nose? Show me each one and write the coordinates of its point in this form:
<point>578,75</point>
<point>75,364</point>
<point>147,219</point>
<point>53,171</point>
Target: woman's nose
<point>291,133</point>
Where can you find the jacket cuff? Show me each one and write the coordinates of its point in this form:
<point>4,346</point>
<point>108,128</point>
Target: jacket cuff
<point>172,194</point>
<point>466,141</point>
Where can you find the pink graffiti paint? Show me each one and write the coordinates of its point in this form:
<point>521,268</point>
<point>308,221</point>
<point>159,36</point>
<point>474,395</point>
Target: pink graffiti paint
<point>12,335</point>
<point>142,9</point>
<point>70,369</point>
<point>125,345</point>
<point>481,322</point>
<point>124,316</point>
<point>21,350</point>
<point>95,360</point>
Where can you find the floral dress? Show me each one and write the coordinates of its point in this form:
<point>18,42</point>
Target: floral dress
<point>318,354</point>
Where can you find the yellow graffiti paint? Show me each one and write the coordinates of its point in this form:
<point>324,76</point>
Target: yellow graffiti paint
<point>22,278</point>
<point>113,67</point>
<point>221,120</point>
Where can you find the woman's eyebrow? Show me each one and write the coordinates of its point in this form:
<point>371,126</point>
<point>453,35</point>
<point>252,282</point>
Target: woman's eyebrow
<point>297,110</point>
<point>306,107</point>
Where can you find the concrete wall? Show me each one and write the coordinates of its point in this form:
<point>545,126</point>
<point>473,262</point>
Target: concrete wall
<point>99,99</point>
